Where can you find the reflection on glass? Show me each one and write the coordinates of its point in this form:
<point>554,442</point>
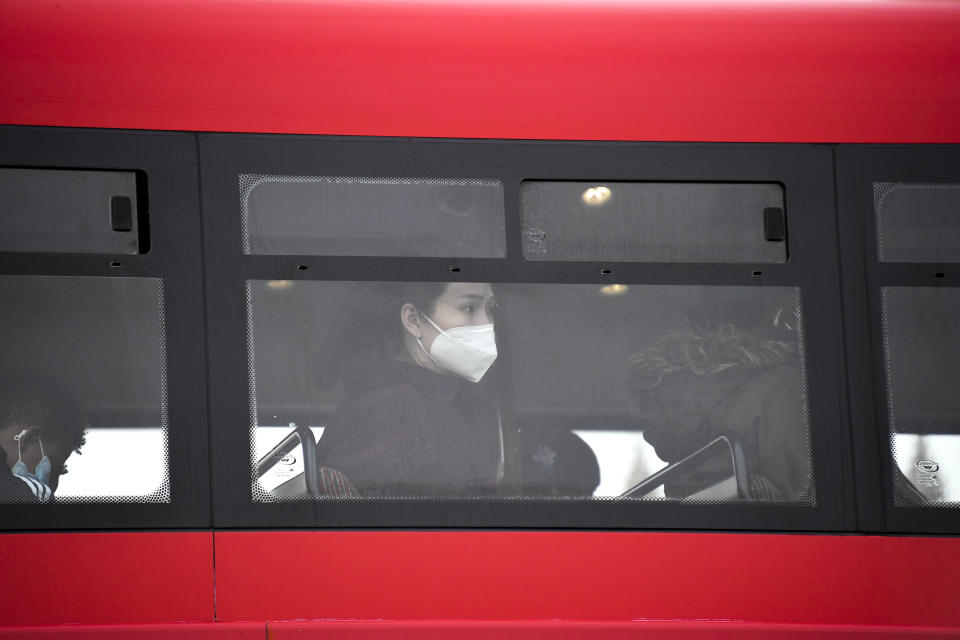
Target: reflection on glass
<point>652,221</point>
<point>530,390</point>
<point>917,222</point>
<point>83,373</point>
<point>72,211</point>
<point>357,216</point>
<point>923,396</point>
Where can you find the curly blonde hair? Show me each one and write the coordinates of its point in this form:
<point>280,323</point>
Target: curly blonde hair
<point>704,351</point>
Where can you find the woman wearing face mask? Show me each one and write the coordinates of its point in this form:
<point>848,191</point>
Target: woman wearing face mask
<point>422,422</point>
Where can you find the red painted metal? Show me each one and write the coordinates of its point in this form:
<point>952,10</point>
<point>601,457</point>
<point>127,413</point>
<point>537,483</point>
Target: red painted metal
<point>588,576</point>
<point>444,630</point>
<point>567,630</point>
<point>779,72</point>
<point>99,578</point>
<point>179,630</point>
<point>866,72</point>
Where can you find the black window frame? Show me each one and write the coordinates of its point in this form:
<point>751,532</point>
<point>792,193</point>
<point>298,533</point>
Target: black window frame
<point>199,256</point>
<point>806,171</point>
<point>864,277</point>
<point>169,162</point>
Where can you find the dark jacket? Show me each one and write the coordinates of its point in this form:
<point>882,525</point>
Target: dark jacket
<point>766,412</point>
<point>404,430</point>
<point>13,489</point>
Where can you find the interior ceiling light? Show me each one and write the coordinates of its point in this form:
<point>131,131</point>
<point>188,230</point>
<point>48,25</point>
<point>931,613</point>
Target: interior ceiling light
<point>613,289</point>
<point>596,195</point>
<point>279,285</point>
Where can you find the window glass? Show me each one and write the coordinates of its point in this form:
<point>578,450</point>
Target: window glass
<point>71,211</point>
<point>922,349</point>
<point>653,221</point>
<point>917,222</point>
<point>529,390</point>
<point>83,385</point>
<point>351,216</point>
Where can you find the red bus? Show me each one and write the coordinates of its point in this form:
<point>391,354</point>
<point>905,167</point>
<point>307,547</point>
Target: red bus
<point>420,319</point>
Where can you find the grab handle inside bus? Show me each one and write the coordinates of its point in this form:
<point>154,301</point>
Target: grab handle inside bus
<point>308,443</point>
<point>678,469</point>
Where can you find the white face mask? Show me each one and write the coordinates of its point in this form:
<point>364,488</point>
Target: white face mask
<point>465,351</point>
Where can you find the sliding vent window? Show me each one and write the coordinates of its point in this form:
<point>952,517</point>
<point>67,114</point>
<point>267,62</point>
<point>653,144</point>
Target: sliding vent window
<point>922,345</point>
<point>68,211</point>
<point>470,389</point>
<point>353,216</point>
<point>653,222</point>
<point>917,222</point>
<point>82,396</point>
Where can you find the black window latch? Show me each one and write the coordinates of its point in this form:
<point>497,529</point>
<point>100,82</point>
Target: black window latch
<point>774,224</point>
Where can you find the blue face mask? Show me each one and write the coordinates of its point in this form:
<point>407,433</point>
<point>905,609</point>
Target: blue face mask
<point>39,480</point>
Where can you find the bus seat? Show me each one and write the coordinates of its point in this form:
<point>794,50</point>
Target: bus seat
<point>335,484</point>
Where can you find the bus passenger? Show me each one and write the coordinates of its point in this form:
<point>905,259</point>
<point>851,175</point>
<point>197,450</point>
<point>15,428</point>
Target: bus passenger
<point>696,384</point>
<point>40,426</point>
<point>417,421</point>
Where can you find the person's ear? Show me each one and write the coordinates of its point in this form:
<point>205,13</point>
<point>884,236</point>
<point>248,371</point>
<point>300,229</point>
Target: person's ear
<point>410,318</point>
<point>28,436</point>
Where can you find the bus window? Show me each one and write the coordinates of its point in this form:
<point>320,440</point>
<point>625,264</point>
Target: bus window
<point>663,371</point>
<point>533,390</point>
<point>84,387</point>
<point>71,211</point>
<point>653,221</point>
<point>917,222</point>
<point>922,348</point>
<point>355,216</point>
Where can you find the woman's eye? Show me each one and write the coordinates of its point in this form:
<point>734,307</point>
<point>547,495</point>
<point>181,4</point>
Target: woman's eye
<point>469,309</point>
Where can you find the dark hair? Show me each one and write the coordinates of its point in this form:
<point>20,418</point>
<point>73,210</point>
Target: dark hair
<point>40,400</point>
<point>422,295</point>
<point>705,351</point>
<point>368,328</point>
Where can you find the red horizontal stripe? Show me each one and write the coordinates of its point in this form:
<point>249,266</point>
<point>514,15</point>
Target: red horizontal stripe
<point>589,576</point>
<point>567,630</point>
<point>779,72</point>
<point>467,630</point>
<point>603,579</point>
<point>178,630</point>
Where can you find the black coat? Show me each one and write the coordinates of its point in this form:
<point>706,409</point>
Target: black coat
<point>13,489</point>
<point>766,412</point>
<point>404,430</point>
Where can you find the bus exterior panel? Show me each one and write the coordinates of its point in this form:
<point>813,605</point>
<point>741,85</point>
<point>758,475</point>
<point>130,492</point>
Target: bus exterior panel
<point>823,73</point>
